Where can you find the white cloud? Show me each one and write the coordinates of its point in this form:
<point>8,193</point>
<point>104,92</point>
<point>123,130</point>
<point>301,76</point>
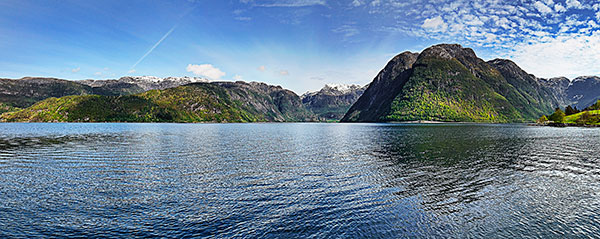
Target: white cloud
<point>375,3</point>
<point>206,70</point>
<point>542,8</point>
<point>559,8</point>
<point>261,68</point>
<point>98,73</point>
<point>131,71</point>
<point>356,3</point>
<point>573,4</point>
<point>238,77</point>
<point>284,73</point>
<point>75,70</point>
<point>435,24</point>
<point>565,55</point>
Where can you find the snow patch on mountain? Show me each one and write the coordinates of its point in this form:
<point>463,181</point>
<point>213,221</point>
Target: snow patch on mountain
<point>148,82</point>
<point>334,89</point>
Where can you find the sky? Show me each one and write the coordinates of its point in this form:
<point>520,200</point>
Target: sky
<point>298,44</point>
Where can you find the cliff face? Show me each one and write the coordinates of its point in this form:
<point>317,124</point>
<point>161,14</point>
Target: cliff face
<point>583,91</point>
<point>450,83</point>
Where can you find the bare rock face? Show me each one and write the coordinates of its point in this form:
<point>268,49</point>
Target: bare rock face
<point>583,91</point>
<point>145,83</point>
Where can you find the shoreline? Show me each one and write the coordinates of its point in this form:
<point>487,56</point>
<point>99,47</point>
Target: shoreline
<point>564,125</point>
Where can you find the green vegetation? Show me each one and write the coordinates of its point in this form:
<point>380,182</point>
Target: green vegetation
<point>447,82</point>
<point>588,117</point>
<point>595,106</point>
<point>571,111</point>
<point>542,120</point>
<point>192,103</point>
<point>7,108</point>
<point>445,90</point>
<point>558,116</point>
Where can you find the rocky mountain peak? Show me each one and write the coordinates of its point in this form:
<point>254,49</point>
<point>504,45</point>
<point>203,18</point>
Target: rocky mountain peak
<point>448,51</point>
<point>147,82</point>
<point>590,79</point>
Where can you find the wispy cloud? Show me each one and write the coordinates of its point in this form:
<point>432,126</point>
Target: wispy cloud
<point>75,70</point>
<point>347,31</point>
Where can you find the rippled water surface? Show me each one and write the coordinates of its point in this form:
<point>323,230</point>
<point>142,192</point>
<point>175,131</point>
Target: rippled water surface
<point>298,180</point>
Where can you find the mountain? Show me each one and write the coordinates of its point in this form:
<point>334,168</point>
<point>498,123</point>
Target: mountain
<point>584,91</point>
<point>196,102</point>
<point>143,83</point>
<point>28,90</point>
<point>447,82</point>
<point>333,100</point>
<point>558,86</point>
<point>530,97</point>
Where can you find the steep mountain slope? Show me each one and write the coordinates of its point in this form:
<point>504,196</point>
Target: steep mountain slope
<point>532,98</point>
<point>450,83</point>
<point>558,87</point>
<point>197,102</point>
<point>377,99</point>
<point>332,101</point>
<point>584,91</point>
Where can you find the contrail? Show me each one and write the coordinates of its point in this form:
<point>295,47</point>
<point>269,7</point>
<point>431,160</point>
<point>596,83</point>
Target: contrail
<point>155,45</point>
<point>163,38</point>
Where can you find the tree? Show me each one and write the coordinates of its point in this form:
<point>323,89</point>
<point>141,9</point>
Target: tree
<point>584,118</point>
<point>595,106</point>
<point>571,111</point>
<point>542,120</point>
<point>558,116</point>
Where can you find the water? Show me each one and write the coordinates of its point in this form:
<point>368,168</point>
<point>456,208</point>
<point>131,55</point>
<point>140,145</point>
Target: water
<point>298,181</point>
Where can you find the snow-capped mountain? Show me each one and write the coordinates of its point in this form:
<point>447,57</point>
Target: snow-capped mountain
<point>335,89</point>
<point>333,100</point>
<point>147,82</point>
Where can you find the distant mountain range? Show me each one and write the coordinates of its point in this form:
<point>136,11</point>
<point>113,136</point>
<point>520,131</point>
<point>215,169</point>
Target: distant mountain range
<point>26,91</point>
<point>172,99</point>
<point>445,82</point>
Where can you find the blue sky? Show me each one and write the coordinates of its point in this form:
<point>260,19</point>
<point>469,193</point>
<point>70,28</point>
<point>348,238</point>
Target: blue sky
<point>298,44</point>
